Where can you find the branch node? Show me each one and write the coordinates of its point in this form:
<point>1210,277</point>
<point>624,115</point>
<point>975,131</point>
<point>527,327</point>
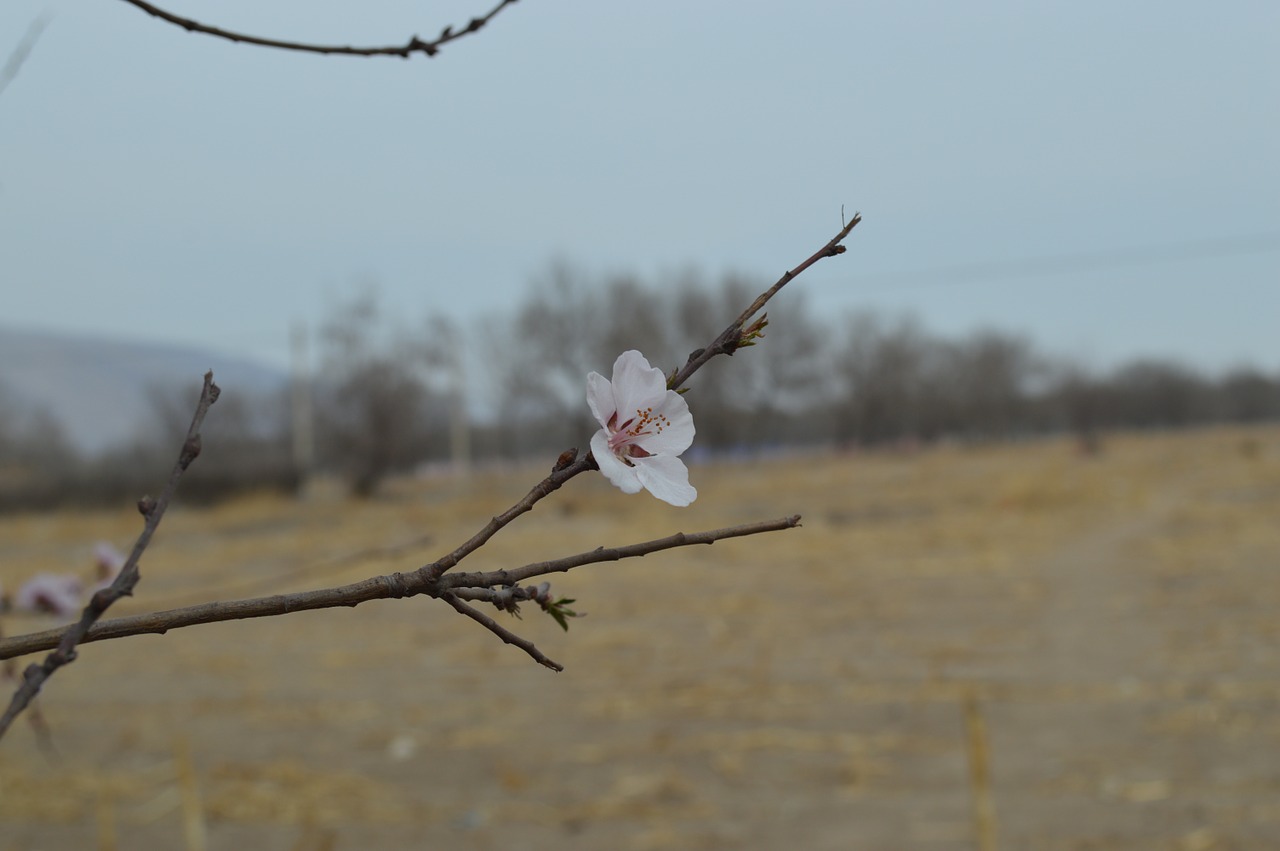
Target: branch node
<point>102,600</point>
<point>566,458</point>
<point>396,585</point>
<point>190,450</point>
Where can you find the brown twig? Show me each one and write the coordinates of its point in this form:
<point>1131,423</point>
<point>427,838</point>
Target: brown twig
<point>730,338</point>
<point>258,584</point>
<point>560,474</point>
<point>404,51</point>
<point>600,554</point>
<point>501,631</point>
<point>9,674</point>
<point>34,677</point>
<point>377,588</point>
<point>158,623</point>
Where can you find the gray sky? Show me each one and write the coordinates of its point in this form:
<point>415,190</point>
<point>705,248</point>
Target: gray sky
<point>1100,176</point>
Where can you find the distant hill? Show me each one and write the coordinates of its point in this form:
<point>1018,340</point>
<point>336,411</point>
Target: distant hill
<point>99,390</point>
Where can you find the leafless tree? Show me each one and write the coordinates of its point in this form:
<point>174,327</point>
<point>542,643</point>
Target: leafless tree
<point>882,374</point>
<point>377,413</point>
<point>1152,393</point>
<point>36,459</point>
<point>1248,396</point>
<point>991,372</point>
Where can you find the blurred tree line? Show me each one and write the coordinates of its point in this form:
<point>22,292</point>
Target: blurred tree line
<point>390,399</point>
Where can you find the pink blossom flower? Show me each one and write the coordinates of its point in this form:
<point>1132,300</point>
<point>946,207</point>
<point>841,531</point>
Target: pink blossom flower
<point>53,593</point>
<point>645,428</point>
<point>108,562</point>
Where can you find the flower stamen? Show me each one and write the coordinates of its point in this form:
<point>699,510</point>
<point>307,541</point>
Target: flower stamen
<point>622,440</point>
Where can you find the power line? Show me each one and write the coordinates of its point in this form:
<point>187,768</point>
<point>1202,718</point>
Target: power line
<point>1058,264</point>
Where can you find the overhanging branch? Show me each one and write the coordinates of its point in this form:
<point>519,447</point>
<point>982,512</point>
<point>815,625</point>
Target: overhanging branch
<point>404,51</point>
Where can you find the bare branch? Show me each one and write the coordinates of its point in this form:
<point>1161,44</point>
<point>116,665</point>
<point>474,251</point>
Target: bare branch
<point>22,50</point>
<point>34,677</point>
<point>159,623</point>
<point>258,584</point>
<point>377,588</point>
<point>503,598</point>
<point>501,631</point>
<point>601,554</point>
<point>730,338</point>
<point>564,470</point>
<point>404,51</point>
<point>9,673</point>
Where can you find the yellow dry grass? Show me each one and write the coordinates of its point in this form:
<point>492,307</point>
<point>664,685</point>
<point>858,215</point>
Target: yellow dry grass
<point>1013,647</point>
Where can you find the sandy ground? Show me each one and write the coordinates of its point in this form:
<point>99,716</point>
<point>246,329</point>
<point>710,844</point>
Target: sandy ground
<point>1014,647</point>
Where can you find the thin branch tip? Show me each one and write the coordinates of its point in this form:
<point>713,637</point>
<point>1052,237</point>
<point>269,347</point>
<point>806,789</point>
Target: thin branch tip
<point>729,340</point>
<point>507,636</point>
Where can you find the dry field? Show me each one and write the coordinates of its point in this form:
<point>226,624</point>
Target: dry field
<point>1014,647</point>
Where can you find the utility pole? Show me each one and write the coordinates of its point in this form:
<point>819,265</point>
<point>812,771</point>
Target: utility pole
<point>300,399</point>
<point>459,427</point>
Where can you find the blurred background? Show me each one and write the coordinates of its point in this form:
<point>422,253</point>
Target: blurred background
<point>1071,217</point>
<point>1030,418</point>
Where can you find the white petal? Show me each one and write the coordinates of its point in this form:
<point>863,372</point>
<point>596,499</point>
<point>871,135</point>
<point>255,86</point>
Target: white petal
<point>622,476</point>
<point>600,398</point>
<point>636,385</point>
<point>677,431</point>
<point>667,478</point>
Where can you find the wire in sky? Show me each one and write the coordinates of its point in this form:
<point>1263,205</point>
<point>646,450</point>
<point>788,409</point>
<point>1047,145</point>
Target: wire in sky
<point>1057,264</point>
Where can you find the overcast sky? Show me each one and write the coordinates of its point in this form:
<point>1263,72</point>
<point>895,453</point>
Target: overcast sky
<point>1100,176</point>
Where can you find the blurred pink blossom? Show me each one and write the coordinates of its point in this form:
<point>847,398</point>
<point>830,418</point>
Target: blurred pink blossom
<point>108,562</point>
<point>52,593</point>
